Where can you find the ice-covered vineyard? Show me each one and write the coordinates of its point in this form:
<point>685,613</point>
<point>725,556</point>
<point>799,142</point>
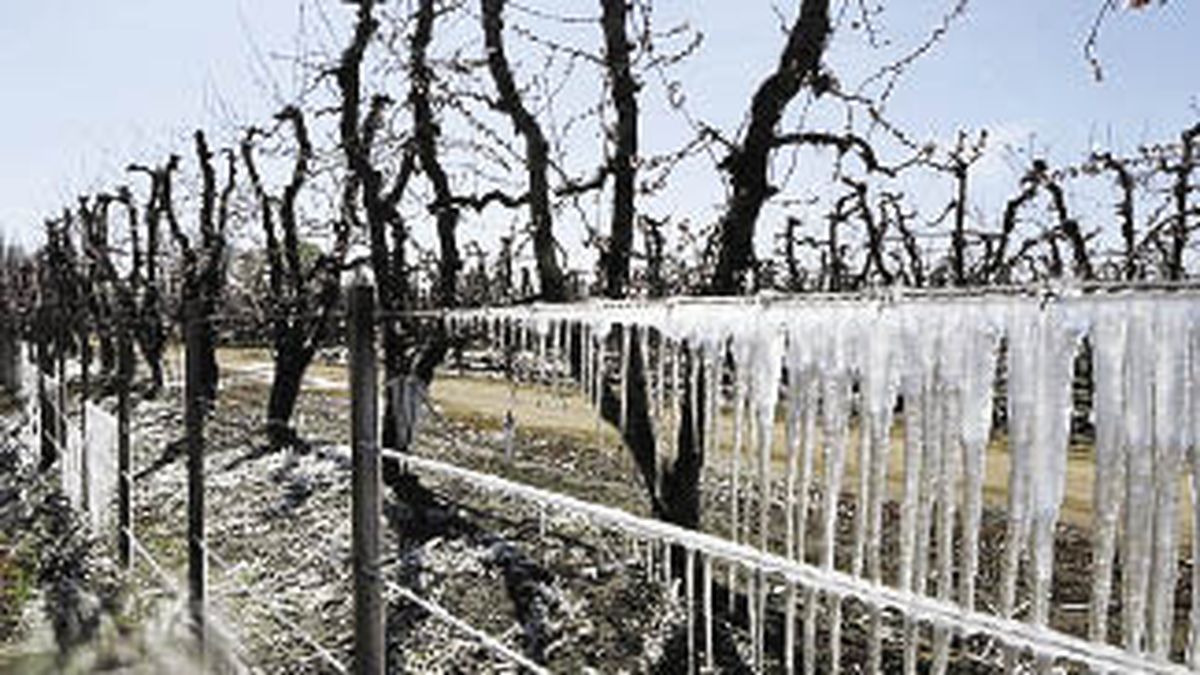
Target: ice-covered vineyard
<point>862,378</point>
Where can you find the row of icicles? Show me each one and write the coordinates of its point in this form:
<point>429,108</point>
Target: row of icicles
<point>927,370</point>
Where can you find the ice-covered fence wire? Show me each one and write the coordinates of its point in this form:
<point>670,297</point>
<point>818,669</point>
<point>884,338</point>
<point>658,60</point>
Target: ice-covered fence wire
<point>1040,640</point>
<point>491,643</point>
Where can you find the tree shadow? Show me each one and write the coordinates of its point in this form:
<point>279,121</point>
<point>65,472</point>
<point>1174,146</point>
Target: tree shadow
<point>417,515</point>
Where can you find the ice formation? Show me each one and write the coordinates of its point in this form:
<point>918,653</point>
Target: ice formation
<point>854,381</point>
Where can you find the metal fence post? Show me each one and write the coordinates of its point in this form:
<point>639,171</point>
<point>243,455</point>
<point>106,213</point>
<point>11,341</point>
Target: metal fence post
<point>124,480</point>
<point>194,411</point>
<point>368,602</point>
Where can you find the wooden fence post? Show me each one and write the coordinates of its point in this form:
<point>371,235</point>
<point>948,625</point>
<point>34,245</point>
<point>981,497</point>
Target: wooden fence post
<point>48,425</point>
<point>85,466</point>
<point>60,432</point>
<point>10,377</point>
<point>368,603</point>
<point>124,480</point>
<point>194,411</point>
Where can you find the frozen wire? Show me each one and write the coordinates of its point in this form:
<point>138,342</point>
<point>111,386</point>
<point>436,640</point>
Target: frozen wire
<point>832,582</point>
<point>275,611</point>
<point>483,638</point>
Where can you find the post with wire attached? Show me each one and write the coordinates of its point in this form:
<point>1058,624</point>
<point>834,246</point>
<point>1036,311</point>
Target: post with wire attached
<point>45,416</point>
<point>368,601</point>
<point>194,411</point>
<point>124,480</point>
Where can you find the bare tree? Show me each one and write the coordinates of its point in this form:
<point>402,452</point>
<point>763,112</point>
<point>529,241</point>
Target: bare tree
<point>387,232</point>
<point>149,326</point>
<point>202,261</point>
<point>304,294</point>
<point>623,88</point>
<point>537,152</point>
<point>747,162</point>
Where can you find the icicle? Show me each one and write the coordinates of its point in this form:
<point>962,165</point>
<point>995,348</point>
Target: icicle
<point>626,343</point>
<point>767,354</point>
<point>510,416</point>
<point>644,353</point>
<point>519,336</point>
<point>690,585</point>
<point>835,381</point>
<point>978,385</point>
<point>950,376</point>
<point>930,473</point>
<point>921,440</point>
<point>709,660</point>
<point>789,630</point>
<point>1055,373</point>
<point>1139,497</point>
<point>835,634</point>
<point>759,358</point>
<point>1170,434</point>
<point>695,355</point>
<point>878,399</point>
<point>585,363</point>
<point>1194,455</point>
<point>542,337</point>
<point>809,651</point>
<point>1108,357</point>
<point>715,390</point>
<point>914,391</point>
<point>739,406</point>
<point>875,650</point>
<point>879,394</point>
<point>1020,369</point>
<point>677,393</point>
<point>792,441</point>
<point>835,384</point>
<point>809,397</point>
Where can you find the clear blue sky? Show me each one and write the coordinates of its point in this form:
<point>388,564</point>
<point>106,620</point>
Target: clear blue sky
<point>89,86</point>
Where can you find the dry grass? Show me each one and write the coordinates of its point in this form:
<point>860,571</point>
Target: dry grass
<point>563,411</point>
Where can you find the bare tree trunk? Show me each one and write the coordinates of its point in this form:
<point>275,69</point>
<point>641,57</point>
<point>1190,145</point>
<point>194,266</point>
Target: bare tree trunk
<point>537,153</point>
<point>425,129</point>
<point>624,93</point>
<point>959,236</point>
<point>1129,266</point>
<point>1181,192</point>
<point>747,163</point>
